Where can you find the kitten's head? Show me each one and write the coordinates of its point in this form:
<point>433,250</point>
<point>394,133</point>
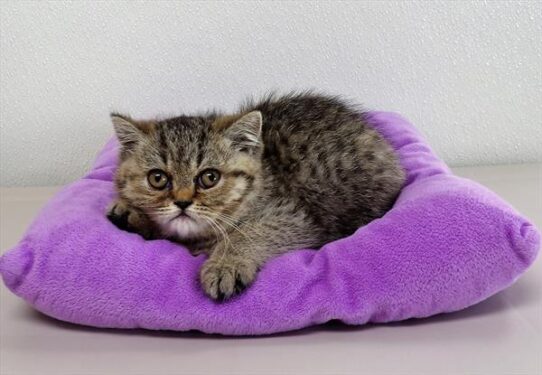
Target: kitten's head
<point>191,175</point>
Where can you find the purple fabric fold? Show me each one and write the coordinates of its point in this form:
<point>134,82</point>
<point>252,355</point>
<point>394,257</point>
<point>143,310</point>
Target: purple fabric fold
<point>447,244</point>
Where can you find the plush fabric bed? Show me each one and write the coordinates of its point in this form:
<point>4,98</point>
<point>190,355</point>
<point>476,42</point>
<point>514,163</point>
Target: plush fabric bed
<point>447,244</point>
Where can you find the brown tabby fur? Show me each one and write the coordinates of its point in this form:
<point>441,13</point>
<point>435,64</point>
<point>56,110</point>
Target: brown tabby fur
<point>297,171</point>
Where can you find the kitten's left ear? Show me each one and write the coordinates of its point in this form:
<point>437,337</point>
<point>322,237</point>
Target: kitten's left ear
<point>245,133</point>
<point>129,132</point>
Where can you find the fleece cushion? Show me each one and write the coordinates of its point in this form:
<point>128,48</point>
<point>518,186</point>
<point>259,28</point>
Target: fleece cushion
<point>448,243</point>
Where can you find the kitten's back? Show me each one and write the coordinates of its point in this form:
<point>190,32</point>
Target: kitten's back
<point>321,154</point>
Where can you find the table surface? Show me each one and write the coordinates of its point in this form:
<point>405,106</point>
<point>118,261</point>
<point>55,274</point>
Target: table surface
<point>502,335</point>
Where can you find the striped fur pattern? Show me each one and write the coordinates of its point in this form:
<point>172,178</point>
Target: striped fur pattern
<point>296,171</point>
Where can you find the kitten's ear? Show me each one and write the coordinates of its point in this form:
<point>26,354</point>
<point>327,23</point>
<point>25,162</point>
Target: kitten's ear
<point>245,133</point>
<point>129,131</point>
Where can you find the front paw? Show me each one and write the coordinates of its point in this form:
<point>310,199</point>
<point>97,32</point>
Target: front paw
<point>222,279</point>
<point>130,220</point>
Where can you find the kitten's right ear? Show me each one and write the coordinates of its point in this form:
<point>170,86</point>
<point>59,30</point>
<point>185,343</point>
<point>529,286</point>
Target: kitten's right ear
<point>129,131</point>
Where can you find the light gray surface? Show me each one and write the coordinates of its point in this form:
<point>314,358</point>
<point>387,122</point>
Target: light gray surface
<point>470,66</point>
<point>502,335</point>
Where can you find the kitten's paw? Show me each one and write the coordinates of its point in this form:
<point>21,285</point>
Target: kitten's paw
<point>130,220</point>
<point>225,278</point>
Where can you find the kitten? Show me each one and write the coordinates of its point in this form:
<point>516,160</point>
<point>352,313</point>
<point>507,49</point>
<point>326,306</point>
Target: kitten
<point>287,172</point>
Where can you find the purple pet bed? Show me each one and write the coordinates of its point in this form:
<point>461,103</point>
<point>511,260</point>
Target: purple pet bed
<point>447,244</point>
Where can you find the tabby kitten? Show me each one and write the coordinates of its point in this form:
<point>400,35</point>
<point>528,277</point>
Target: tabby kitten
<point>287,172</point>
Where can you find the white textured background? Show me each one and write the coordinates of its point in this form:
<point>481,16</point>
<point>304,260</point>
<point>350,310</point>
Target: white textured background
<point>469,75</point>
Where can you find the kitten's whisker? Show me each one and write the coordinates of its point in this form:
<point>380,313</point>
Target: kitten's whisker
<point>160,214</point>
<point>231,220</point>
<point>233,224</point>
<point>235,227</point>
<point>225,236</point>
<point>245,224</point>
<point>212,226</point>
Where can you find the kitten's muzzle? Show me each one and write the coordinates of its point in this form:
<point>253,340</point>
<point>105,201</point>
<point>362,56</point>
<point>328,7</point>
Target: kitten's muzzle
<point>183,205</point>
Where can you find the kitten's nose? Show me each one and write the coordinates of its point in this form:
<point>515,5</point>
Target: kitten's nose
<point>183,204</point>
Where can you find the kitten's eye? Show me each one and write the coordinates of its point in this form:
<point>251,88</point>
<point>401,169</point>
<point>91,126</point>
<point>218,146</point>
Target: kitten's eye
<point>208,178</point>
<point>158,179</point>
